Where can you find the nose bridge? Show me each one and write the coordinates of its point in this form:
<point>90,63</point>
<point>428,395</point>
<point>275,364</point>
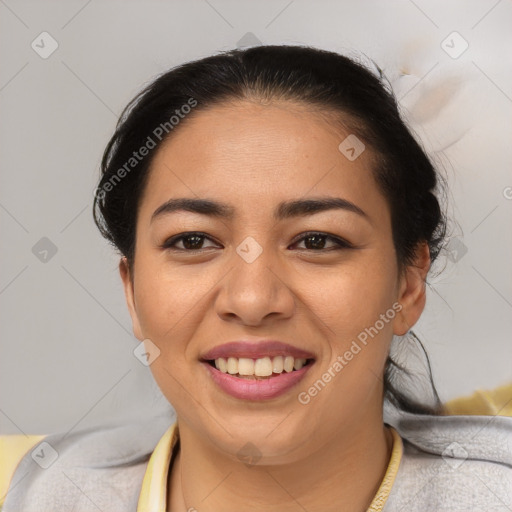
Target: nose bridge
<point>254,289</point>
<point>253,261</point>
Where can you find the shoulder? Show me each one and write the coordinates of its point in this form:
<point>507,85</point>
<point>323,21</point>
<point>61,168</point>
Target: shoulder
<point>12,449</point>
<point>94,468</point>
<point>453,463</point>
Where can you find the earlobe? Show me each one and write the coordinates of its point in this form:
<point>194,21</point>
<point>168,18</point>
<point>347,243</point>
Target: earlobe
<point>412,293</point>
<point>126,277</point>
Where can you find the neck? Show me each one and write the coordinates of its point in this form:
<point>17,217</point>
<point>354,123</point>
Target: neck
<point>345,473</point>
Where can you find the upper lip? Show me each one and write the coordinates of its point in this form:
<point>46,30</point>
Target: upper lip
<point>255,350</point>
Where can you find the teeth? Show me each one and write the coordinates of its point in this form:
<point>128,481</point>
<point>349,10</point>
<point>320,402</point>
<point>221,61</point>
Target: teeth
<point>278,364</point>
<point>221,364</point>
<point>288,364</point>
<point>299,363</point>
<point>245,366</point>
<point>263,367</point>
<point>232,366</point>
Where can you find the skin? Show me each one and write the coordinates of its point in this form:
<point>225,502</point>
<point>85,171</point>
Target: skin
<point>332,453</point>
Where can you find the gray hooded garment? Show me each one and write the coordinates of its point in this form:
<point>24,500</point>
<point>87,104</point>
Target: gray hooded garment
<point>450,463</point>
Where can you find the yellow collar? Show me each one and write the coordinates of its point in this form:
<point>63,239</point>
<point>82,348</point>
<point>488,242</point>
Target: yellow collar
<point>153,495</point>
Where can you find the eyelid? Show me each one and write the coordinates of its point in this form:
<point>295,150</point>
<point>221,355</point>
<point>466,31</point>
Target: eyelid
<point>168,242</point>
<point>342,243</point>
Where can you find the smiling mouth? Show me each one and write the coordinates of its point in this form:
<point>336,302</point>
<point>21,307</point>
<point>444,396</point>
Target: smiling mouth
<point>259,369</point>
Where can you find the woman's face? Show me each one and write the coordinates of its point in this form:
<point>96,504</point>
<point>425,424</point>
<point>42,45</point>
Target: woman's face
<point>255,275</point>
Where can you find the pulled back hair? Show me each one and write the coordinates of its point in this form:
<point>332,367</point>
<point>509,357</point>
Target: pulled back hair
<point>357,97</point>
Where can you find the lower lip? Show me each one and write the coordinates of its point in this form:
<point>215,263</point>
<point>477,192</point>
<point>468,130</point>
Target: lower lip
<point>264,389</point>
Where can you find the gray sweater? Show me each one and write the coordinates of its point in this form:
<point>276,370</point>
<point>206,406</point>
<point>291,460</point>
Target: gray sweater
<point>450,463</point>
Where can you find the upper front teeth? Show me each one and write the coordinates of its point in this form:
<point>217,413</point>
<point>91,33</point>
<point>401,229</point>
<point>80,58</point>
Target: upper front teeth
<point>262,367</point>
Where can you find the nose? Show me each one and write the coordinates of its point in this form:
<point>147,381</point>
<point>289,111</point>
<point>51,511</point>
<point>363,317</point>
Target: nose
<point>256,291</point>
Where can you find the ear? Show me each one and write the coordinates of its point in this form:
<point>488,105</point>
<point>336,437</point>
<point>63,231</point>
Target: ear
<point>412,290</point>
<point>126,277</point>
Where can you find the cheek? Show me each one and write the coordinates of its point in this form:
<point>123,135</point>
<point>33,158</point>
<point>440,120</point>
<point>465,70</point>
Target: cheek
<point>169,313</point>
<point>355,297</point>
<point>360,314</point>
<point>168,301</point>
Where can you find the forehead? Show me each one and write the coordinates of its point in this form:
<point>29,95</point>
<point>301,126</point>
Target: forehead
<point>280,130</point>
<point>243,151</point>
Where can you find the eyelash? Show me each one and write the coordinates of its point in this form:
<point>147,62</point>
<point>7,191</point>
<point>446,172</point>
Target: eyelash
<point>340,242</point>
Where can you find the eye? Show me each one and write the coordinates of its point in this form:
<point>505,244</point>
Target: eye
<point>314,241</point>
<point>192,241</point>
<point>317,242</point>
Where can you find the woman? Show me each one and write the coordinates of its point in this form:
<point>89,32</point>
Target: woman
<point>276,222</point>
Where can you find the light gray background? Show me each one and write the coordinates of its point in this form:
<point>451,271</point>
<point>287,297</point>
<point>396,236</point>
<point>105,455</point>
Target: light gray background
<point>66,344</point>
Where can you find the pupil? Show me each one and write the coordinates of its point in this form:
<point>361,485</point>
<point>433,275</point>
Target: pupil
<point>318,243</point>
<point>198,240</point>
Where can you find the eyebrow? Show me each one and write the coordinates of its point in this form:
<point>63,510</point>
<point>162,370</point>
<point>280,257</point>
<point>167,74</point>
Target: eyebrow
<point>285,209</point>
